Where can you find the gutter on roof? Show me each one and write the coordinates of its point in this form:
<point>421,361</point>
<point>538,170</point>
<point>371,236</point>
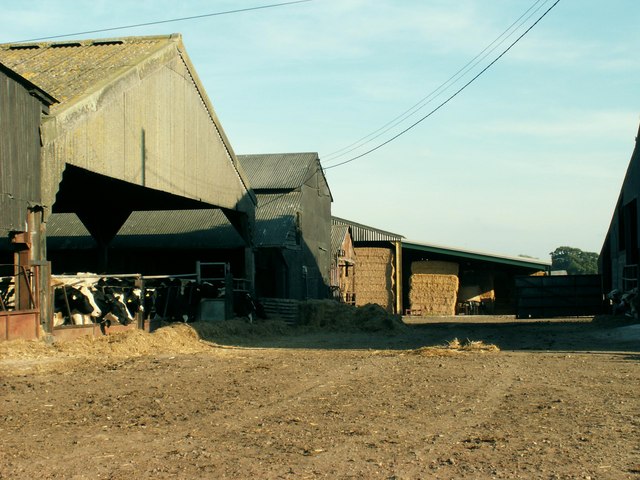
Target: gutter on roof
<point>371,234</point>
<point>487,257</point>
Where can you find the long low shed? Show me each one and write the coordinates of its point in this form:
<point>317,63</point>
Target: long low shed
<point>484,282</point>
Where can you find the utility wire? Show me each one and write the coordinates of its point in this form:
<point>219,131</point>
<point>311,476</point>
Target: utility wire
<point>451,97</point>
<point>158,22</point>
<point>322,169</point>
<point>449,82</point>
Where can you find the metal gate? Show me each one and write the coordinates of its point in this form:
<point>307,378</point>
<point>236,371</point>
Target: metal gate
<point>19,305</point>
<point>559,296</point>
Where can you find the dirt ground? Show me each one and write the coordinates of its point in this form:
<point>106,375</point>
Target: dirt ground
<point>509,399</point>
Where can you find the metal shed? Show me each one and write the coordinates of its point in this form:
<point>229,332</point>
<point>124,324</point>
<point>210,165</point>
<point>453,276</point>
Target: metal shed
<point>23,271</point>
<point>480,275</point>
<point>293,229</point>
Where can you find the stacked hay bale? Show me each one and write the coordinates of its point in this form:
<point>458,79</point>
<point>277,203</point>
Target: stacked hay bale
<point>433,287</point>
<point>374,277</point>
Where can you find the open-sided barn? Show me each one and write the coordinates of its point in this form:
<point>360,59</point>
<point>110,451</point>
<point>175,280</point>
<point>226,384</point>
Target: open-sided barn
<point>133,131</point>
<point>447,281</point>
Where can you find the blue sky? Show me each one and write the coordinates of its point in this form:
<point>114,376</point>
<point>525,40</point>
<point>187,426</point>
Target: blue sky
<point>529,157</point>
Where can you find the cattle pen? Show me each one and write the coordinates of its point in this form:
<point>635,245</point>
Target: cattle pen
<point>90,304</point>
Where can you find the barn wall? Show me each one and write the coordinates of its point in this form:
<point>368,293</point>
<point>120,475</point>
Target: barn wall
<point>151,127</point>
<point>315,222</point>
<point>343,269</point>
<point>374,277</point>
<point>19,154</point>
<point>621,250</point>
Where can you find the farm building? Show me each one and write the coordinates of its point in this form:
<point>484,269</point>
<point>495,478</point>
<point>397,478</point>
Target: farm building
<point>378,265</point>
<point>134,131</point>
<point>293,226</point>
<point>22,262</point>
<point>168,242</point>
<point>447,281</point>
<point>618,262</point>
<point>343,262</point>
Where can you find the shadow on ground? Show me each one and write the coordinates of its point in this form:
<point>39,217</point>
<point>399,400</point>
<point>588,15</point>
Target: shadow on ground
<point>597,334</point>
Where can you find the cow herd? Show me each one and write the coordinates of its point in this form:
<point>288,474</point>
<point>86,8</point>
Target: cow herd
<point>114,300</point>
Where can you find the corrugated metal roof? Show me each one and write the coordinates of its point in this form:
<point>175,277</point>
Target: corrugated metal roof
<point>36,91</point>
<point>196,229</point>
<point>338,234</point>
<point>66,231</point>
<point>276,219</point>
<point>69,69</point>
<point>279,171</point>
<point>364,233</point>
<point>526,262</point>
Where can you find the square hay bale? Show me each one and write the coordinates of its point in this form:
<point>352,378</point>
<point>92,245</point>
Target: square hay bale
<point>374,277</point>
<point>433,294</point>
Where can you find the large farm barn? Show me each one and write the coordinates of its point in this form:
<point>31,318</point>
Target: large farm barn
<point>133,130</point>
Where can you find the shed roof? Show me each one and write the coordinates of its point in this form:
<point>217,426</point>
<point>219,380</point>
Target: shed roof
<point>46,99</point>
<point>525,262</point>
<point>195,229</point>
<point>68,69</point>
<point>364,233</point>
<point>280,171</point>
<point>338,234</point>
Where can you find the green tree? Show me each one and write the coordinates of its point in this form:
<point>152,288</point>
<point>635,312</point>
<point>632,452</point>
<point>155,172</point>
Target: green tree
<point>574,261</point>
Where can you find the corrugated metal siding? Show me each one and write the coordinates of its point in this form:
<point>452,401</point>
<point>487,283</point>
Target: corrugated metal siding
<point>131,109</point>
<point>19,153</point>
<point>363,233</point>
<point>279,170</point>
<point>276,218</point>
<point>338,234</point>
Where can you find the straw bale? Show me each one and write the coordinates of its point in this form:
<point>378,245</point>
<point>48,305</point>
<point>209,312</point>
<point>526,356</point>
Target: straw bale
<point>433,294</point>
<point>435,267</point>
<point>456,347</point>
<point>374,277</point>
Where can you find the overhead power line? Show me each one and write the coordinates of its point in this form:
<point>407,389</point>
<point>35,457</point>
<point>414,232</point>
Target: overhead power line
<point>158,22</point>
<point>455,78</point>
<point>448,99</point>
<point>427,115</point>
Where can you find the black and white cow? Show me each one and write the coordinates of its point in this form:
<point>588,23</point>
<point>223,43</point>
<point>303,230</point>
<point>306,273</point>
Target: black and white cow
<point>100,303</point>
<point>70,305</point>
